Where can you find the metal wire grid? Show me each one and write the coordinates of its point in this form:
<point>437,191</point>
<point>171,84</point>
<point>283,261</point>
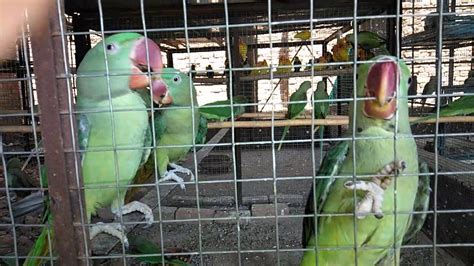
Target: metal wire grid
<point>274,140</point>
<point>26,79</point>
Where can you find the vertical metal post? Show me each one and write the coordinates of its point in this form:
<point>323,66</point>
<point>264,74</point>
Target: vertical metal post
<point>82,42</point>
<point>53,95</point>
<point>236,62</point>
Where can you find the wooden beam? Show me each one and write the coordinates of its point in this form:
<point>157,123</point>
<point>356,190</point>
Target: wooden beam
<point>326,122</point>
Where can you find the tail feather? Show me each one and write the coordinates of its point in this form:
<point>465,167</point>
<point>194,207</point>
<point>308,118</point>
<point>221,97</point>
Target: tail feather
<point>40,250</point>
<point>285,131</point>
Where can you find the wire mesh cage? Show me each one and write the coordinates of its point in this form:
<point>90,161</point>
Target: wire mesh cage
<point>238,132</point>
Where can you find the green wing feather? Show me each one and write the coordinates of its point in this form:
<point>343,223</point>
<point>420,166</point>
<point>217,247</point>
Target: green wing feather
<point>214,112</point>
<point>321,109</point>
<point>202,131</point>
<point>329,168</point>
<point>460,107</point>
<point>367,40</point>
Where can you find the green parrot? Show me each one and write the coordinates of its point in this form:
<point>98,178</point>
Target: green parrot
<point>428,89</point>
<point>124,54</point>
<point>367,40</point>
<point>174,125</point>
<point>295,109</point>
<point>206,112</point>
<point>376,155</point>
<point>321,109</point>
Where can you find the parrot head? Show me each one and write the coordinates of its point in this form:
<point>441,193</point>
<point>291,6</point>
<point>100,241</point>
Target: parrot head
<point>321,86</point>
<point>177,88</point>
<point>127,64</point>
<point>386,82</point>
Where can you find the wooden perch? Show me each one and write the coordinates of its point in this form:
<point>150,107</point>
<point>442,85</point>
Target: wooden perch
<point>330,121</point>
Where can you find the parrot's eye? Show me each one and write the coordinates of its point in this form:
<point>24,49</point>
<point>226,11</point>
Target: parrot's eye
<point>177,79</point>
<point>111,47</point>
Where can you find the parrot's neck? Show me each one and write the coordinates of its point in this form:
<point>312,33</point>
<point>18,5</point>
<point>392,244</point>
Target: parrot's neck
<point>119,101</point>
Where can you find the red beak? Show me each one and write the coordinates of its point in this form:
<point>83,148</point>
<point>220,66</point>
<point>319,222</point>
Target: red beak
<point>140,66</point>
<point>382,82</point>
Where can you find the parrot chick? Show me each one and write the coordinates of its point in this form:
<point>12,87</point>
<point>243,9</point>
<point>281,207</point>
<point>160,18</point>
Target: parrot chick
<point>373,200</point>
<point>175,127</point>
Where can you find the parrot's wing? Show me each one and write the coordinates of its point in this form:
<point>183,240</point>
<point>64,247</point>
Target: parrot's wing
<point>422,201</point>
<point>160,126</point>
<point>212,111</point>
<point>202,131</point>
<point>329,168</point>
<point>83,132</point>
<point>462,106</point>
<point>147,143</point>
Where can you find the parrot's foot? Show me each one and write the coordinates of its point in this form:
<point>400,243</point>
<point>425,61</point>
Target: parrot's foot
<point>170,175</point>
<point>111,229</point>
<point>180,169</point>
<point>139,207</point>
<point>373,200</point>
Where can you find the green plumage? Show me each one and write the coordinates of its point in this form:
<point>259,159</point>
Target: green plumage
<point>95,128</point>
<point>460,107</point>
<point>296,106</point>
<point>375,237</point>
<point>367,40</point>
<point>174,126</point>
<point>214,112</point>
<point>321,109</point>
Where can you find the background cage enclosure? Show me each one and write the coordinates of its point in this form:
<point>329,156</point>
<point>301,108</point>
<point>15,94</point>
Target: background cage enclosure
<point>247,205</point>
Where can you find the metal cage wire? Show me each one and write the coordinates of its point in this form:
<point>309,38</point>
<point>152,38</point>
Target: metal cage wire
<point>240,140</point>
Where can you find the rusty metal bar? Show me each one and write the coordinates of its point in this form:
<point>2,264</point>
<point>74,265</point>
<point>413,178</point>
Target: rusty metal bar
<point>53,99</point>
